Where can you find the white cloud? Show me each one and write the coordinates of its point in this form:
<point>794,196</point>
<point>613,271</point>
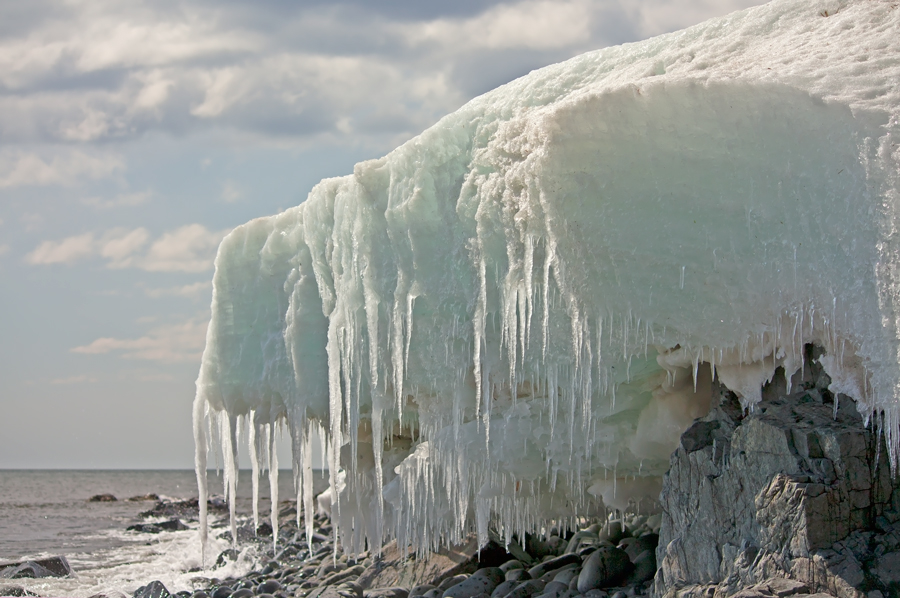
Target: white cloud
<point>537,25</point>
<point>174,343</point>
<point>191,248</point>
<point>121,246</point>
<point>195,290</point>
<point>67,251</point>
<point>19,169</point>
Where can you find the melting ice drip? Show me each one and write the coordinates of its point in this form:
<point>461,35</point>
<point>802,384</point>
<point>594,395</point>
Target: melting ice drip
<point>509,320</point>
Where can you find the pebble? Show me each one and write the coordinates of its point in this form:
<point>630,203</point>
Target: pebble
<point>603,568</point>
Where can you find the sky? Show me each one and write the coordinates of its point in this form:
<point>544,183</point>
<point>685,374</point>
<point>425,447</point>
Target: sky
<point>134,135</point>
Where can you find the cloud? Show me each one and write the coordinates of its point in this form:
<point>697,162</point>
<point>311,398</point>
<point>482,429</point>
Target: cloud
<point>67,251</point>
<point>80,379</point>
<point>190,248</point>
<point>4,249</point>
<point>18,169</point>
<point>173,343</point>
<point>195,290</point>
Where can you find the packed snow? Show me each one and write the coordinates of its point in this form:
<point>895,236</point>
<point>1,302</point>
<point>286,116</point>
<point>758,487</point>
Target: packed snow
<point>509,320</point>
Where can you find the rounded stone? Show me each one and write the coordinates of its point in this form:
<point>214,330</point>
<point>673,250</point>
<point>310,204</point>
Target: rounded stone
<point>603,568</point>
<point>222,592</point>
<point>242,593</point>
<point>267,587</point>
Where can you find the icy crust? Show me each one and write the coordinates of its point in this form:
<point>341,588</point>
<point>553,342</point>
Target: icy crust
<point>511,318</point>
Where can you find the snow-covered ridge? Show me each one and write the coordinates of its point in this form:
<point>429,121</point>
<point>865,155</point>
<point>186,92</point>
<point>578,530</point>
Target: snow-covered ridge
<point>512,317</point>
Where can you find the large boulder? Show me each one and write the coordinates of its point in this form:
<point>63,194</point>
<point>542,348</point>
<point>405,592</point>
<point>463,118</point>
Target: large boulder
<point>56,566</point>
<point>798,489</point>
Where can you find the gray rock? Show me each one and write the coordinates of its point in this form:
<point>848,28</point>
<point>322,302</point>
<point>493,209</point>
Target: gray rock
<point>527,589</point>
<point>517,575</point>
<point>567,575</point>
<point>56,566</point>
<point>476,584</point>
<point>644,568</point>
<point>510,565</point>
<point>603,568</point>
<point>16,591</point>
<point>452,581</point>
<point>154,589</point>
<point>504,588</point>
<point>420,589</point>
<point>395,592</point>
<point>538,571</point>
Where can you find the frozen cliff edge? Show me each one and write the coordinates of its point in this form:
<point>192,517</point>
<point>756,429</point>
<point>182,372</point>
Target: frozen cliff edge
<point>512,318</point>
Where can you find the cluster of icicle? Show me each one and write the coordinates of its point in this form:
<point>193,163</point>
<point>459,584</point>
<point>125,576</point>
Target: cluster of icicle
<point>508,321</point>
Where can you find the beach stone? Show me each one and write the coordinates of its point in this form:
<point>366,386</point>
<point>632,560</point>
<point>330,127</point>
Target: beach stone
<point>527,589</point>
<point>420,589</point>
<point>477,584</point>
<point>435,593</point>
<point>510,565</point>
<point>517,575</point>
<point>504,588</point>
<point>603,568</point>
<point>56,566</point>
<point>644,567</point>
<point>567,575</point>
<point>222,592</point>
<point>144,497</point>
<point>200,594</point>
<point>538,571</point>
<point>242,593</point>
<point>395,592</point>
<point>267,587</point>
<point>612,532</point>
<point>28,569</point>
<point>154,589</point>
<point>103,498</point>
<point>451,581</point>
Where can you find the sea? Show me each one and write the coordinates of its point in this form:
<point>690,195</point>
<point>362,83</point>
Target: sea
<point>48,513</point>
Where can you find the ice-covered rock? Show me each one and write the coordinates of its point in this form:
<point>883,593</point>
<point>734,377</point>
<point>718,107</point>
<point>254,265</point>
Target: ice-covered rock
<point>512,318</point>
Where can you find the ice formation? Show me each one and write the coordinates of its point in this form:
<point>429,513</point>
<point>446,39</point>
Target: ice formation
<point>510,319</point>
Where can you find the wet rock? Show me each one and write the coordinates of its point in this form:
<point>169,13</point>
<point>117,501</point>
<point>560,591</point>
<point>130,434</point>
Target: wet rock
<point>56,566</point>
<point>222,592</point>
<point>242,593</point>
<point>200,594</point>
<point>103,498</point>
<point>420,589</point>
<point>603,568</point>
<point>267,587</point>
<point>154,589</point>
<point>16,591</point>
<point>144,497</point>
<point>510,565</point>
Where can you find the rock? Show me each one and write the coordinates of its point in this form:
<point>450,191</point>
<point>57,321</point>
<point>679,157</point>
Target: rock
<point>397,569</point>
<point>103,498</point>
<point>420,589</point>
<point>471,587</point>
<point>644,568</point>
<point>538,571</point>
<point>603,568</point>
<point>517,575</point>
<point>510,565</point>
<point>267,587</point>
<point>526,589</point>
<point>567,575</point>
<point>394,592</point>
<point>222,592</point>
<point>14,591</point>
<point>612,532</point>
<point>56,566</point>
<point>451,581</point>
<point>504,588</point>
<point>242,593</point>
<point>154,589</point>
<point>144,497</point>
<point>797,493</point>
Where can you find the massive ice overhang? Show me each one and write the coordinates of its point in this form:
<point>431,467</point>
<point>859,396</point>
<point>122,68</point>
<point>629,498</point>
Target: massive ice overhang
<point>512,317</point>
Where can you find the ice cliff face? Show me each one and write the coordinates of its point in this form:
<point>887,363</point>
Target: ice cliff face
<point>513,317</point>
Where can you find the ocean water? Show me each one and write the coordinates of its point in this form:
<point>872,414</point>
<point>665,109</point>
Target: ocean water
<point>47,513</point>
